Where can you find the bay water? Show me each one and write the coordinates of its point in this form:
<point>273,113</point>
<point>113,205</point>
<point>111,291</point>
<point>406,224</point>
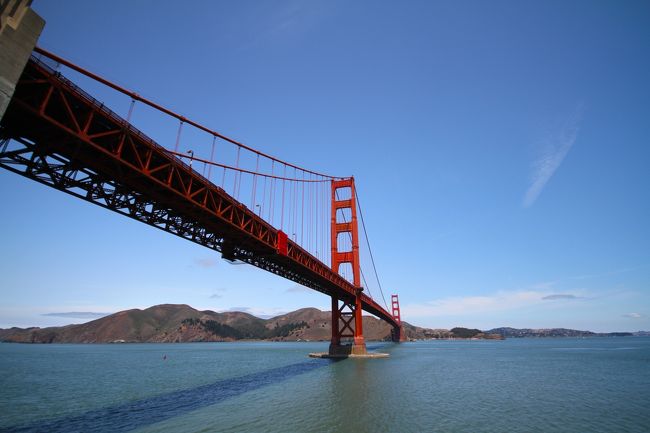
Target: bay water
<point>516,385</point>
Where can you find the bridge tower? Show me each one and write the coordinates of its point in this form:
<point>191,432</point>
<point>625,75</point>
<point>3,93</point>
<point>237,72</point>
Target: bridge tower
<point>398,334</point>
<point>346,316</point>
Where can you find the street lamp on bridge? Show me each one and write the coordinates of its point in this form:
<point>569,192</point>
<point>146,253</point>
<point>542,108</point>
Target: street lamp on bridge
<point>191,154</point>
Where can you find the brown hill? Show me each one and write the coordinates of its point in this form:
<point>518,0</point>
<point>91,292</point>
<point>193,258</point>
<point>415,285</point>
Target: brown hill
<point>160,323</point>
<point>169,323</point>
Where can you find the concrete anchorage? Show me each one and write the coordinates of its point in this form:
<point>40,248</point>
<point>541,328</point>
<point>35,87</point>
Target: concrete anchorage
<point>20,28</point>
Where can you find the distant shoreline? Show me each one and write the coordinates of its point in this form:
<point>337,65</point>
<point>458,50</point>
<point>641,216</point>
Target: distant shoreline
<point>631,335</point>
<point>179,323</point>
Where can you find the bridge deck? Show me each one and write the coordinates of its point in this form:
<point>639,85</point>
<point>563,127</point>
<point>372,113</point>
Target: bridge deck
<point>64,138</point>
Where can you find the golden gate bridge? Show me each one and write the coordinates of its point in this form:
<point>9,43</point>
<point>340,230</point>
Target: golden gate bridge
<point>222,194</point>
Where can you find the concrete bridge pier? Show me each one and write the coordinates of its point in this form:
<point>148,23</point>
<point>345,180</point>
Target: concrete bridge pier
<point>20,28</point>
<point>347,323</point>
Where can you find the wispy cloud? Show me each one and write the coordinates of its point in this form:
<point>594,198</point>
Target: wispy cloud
<point>541,294</point>
<point>77,315</point>
<point>217,293</point>
<point>298,289</point>
<point>238,309</point>
<point>554,148</point>
<point>262,313</point>
<point>286,23</point>
<point>500,301</point>
<point>560,296</point>
<point>634,315</point>
<point>206,262</point>
<point>610,273</point>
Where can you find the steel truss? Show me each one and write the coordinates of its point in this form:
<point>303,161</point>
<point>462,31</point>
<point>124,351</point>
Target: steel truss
<point>58,135</point>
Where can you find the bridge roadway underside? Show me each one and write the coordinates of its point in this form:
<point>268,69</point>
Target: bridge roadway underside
<point>56,134</point>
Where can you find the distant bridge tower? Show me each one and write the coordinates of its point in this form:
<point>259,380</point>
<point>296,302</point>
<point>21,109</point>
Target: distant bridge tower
<point>398,334</point>
<point>346,317</point>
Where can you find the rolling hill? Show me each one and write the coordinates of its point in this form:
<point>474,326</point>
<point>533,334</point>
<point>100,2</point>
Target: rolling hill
<point>170,323</point>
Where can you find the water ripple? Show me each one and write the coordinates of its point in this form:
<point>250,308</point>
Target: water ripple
<point>140,413</point>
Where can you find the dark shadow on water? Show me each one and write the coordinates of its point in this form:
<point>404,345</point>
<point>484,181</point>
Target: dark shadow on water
<point>140,413</point>
<point>378,346</point>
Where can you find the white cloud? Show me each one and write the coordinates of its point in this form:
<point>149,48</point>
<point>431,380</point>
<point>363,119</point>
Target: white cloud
<point>52,315</point>
<point>453,306</point>
<point>554,149</point>
<point>634,315</point>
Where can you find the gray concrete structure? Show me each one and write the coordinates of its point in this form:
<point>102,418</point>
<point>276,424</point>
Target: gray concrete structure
<point>20,28</point>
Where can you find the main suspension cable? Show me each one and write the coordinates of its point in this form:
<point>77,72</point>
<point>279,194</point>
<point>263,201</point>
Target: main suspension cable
<point>182,119</point>
<point>243,170</point>
<point>372,259</point>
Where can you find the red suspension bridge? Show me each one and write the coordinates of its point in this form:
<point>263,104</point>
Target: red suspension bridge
<point>203,186</point>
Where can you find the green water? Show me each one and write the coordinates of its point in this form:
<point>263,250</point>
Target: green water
<point>517,385</point>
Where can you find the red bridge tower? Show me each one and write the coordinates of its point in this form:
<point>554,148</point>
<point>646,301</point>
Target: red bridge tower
<point>346,318</point>
<point>397,333</point>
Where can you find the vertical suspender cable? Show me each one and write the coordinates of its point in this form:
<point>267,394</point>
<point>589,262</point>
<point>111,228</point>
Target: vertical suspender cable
<point>128,116</point>
<point>295,204</point>
<point>214,138</point>
<point>237,174</point>
<point>310,214</point>
<point>241,174</point>
<point>283,182</point>
<point>272,192</point>
<point>263,198</point>
<point>316,198</point>
<point>327,225</point>
<point>302,214</point>
<point>290,211</point>
<point>257,167</point>
<point>178,136</point>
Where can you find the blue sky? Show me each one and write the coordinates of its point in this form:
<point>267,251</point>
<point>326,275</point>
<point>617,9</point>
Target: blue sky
<point>500,151</point>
